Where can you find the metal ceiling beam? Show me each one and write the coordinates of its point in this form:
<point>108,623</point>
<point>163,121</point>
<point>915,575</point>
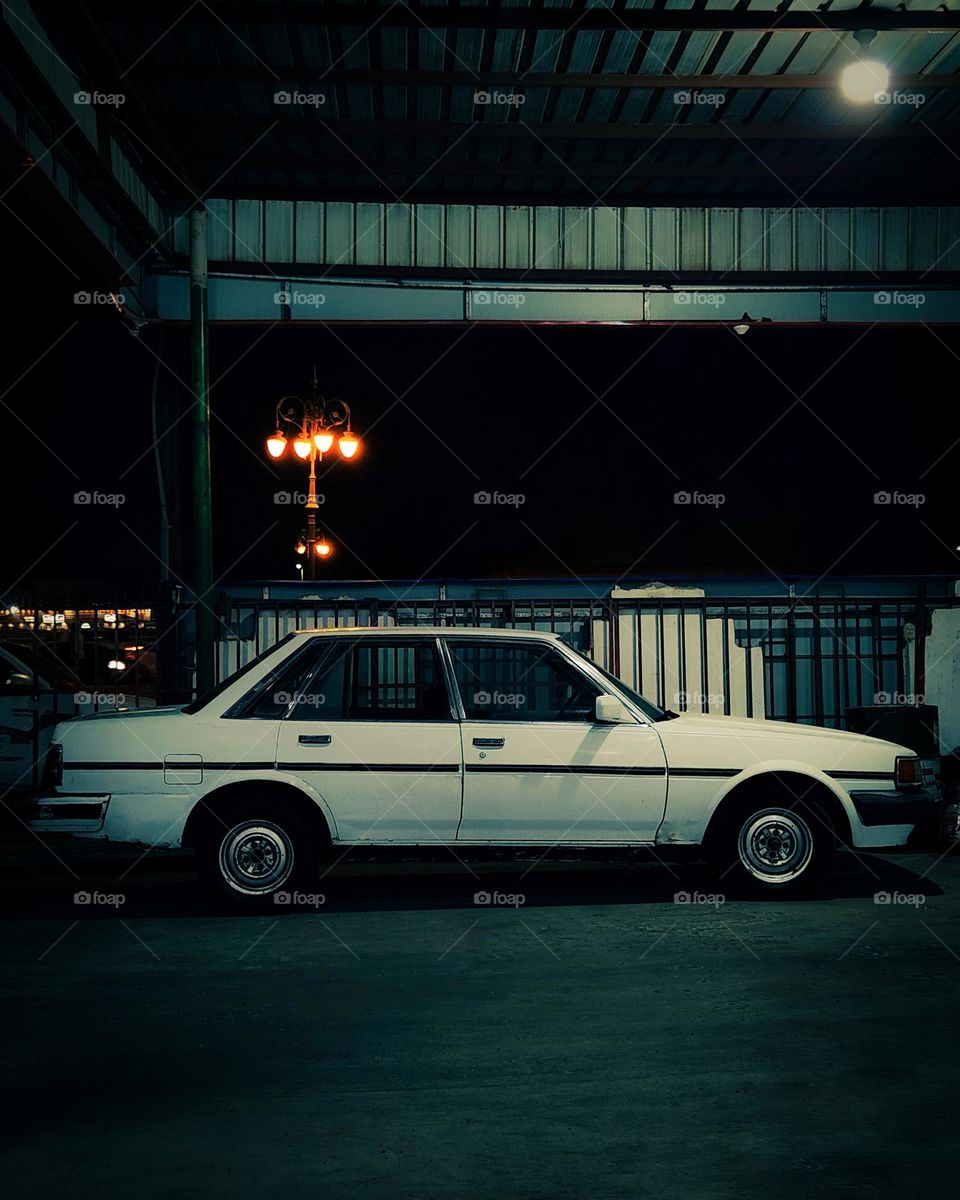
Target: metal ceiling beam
<point>323,301</point>
<point>316,126</point>
<point>904,193</point>
<point>415,15</point>
<point>553,168</point>
<point>44,123</point>
<point>388,77</point>
<point>79,37</point>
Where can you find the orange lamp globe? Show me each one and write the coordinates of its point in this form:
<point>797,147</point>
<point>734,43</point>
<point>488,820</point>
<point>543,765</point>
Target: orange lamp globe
<point>302,447</point>
<point>349,444</point>
<point>276,445</point>
<point>323,440</point>
<point>322,548</point>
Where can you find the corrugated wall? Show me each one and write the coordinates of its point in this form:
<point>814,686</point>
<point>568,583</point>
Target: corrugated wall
<point>507,238</point>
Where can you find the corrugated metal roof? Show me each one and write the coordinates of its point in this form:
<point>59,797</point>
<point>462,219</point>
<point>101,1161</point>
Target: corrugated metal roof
<point>581,91</point>
<point>463,239</point>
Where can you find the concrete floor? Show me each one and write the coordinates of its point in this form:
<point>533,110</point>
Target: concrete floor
<point>600,1041</point>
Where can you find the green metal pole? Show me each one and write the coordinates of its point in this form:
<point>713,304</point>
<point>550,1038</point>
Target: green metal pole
<point>202,506</point>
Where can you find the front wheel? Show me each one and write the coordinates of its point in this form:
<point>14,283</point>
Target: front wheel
<point>774,848</point>
<point>250,855</point>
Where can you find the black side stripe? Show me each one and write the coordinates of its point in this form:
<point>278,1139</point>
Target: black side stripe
<point>422,768</point>
<point>705,772</point>
<point>559,769</point>
<point>419,768</point>
<point>860,774</point>
<point>159,766</point>
<point>114,766</point>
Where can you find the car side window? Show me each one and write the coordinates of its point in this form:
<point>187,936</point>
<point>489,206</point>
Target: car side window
<point>322,696</point>
<point>270,698</point>
<point>395,679</point>
<point>514,681</point>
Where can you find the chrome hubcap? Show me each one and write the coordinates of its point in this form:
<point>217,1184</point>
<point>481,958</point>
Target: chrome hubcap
<point>775,846</point>
<point>256,857</point>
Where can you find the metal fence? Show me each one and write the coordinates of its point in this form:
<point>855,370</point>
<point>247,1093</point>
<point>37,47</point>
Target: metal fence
<point>807,659</point>
<point>800,659</point>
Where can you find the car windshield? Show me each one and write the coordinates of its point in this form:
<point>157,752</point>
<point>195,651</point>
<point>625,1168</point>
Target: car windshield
<point>649,710</point>
<point>214,692</point>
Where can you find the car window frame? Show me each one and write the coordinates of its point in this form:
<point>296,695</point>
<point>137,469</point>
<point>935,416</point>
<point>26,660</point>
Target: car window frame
<point>546,645</point>
<point>387,639</point>
<point>238,711</point>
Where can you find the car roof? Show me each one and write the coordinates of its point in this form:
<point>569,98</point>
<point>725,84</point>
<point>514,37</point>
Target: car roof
<point>430,631</point>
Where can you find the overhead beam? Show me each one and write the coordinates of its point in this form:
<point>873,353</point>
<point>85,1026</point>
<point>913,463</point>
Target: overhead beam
<point>415,15</point>
<point>306,80</point>
<point>314,125</point>
<point>551,167</point>
<point>324,301</point>
<point>904,193</point>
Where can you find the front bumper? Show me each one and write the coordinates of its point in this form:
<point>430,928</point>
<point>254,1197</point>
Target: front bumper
<point>921,809</point>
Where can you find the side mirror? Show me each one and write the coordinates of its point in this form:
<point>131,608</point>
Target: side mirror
<point>17,679</point>
<point>611,711</point>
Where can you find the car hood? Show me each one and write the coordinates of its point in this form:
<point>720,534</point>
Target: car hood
<point>754,727</point>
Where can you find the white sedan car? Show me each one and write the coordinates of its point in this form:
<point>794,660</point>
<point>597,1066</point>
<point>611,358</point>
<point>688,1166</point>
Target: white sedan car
<point>465,738</point>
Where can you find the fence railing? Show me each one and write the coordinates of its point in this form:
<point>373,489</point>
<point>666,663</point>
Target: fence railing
<point>806,659</point>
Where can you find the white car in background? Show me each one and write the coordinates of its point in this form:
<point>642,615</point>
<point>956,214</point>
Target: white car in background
<point>466,738</point>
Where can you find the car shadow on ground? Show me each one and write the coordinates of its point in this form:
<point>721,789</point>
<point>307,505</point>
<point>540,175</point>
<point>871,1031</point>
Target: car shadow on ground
<point>165,885</point>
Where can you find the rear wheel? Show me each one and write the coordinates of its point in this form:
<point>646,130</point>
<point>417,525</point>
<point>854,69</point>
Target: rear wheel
<point>250,853</point>
<point>774,847</point>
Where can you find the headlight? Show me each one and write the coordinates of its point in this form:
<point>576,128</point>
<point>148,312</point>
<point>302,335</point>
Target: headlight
<point>907,773</point>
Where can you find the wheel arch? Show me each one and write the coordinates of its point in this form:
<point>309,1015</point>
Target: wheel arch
<point>212,805</point>
<point>794,782</point>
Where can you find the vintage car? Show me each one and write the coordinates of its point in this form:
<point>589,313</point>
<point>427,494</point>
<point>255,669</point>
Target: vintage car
<point>466,738</point>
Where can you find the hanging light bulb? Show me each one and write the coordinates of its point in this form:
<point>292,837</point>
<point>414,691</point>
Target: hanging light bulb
<point>301,547</point>
<point>348,444</point>
<point>302,447</point>
<point>276,444</point>
<point>322,547</point>
<point>865,78</point>
<point>323,440</point>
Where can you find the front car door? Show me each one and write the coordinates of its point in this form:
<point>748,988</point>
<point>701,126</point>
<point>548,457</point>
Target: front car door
<point>373,730</point>
<point>538,767</point>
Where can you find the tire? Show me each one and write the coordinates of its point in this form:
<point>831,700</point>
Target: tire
<point>774,845</point>
<point>250,852</point>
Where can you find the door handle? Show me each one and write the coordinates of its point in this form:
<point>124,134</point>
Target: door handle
<point>314,739</point>
<point>489,743</point>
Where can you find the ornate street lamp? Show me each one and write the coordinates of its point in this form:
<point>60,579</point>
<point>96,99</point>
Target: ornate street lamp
<point>312,428</point>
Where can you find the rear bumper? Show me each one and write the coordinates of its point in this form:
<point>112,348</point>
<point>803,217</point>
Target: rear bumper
<point>84,813</point>
<point>144,819</point>
<point>895,808</point>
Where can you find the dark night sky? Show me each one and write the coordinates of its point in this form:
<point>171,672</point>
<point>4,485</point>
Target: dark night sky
<point>478,410</point>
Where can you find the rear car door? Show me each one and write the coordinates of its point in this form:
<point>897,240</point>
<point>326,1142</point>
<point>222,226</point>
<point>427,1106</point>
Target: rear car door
<point>538,767</point>
<point>374,732</point>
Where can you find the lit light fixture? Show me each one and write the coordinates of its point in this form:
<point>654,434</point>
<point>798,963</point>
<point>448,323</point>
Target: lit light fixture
<point>741,329</point>
<point>313,426</point>
<point>116,665</point>
<point>349,444</point>
<point>865,78</point>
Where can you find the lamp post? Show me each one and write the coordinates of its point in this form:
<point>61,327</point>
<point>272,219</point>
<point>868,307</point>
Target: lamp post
<point>313,427</point>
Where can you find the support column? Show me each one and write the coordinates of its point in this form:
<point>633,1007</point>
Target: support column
<point>202,506</point>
